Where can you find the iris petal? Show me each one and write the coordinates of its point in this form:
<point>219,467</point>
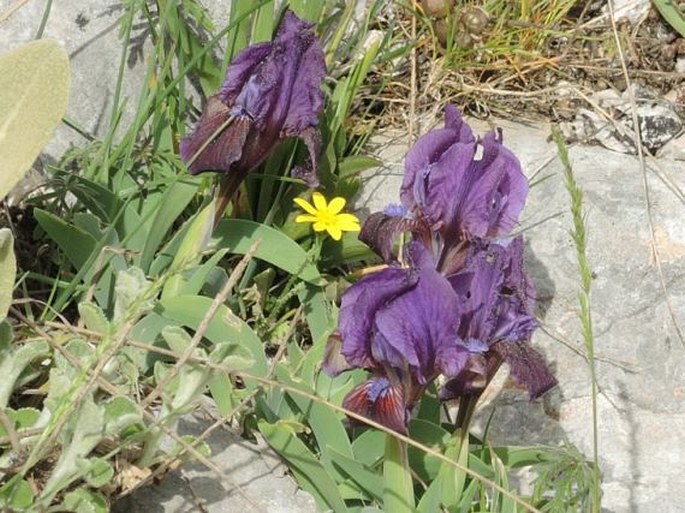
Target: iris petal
<point>459,195</point>
<point>258,108</point>
<point>380,401</point>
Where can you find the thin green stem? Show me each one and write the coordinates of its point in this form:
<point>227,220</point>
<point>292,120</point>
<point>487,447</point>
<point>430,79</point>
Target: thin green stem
<point>44,20</point>
<point>78,129</point>
<point>579,234</point>
<point>340,32</point>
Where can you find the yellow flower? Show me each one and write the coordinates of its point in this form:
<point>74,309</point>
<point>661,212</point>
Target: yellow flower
<point>327,216</point>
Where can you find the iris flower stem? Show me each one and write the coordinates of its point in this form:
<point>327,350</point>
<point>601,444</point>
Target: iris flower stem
<point>467,406</point>
<point>398,490</point>
<point>456,479</point>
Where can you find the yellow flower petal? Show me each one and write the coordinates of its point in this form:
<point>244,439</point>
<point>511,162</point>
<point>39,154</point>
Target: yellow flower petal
<point>319,201</point>
<point>348,222</point>
<point>336,205</point>
<point>334,232</point>
<point>326,216</point>
<point>306,206</point>
<point>306,218</point>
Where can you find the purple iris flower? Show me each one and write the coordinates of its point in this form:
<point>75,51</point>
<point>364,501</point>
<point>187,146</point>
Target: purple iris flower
<point>459,304</point>
<point>496,310</point>
<point>457,189</point>
<point>402,324</point>
<point>272,91</point>
<point>459,194</point>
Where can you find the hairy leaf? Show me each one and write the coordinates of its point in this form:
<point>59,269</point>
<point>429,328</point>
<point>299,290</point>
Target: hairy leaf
<point>34,90</point>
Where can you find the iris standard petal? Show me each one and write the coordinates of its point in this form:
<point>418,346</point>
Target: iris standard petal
<point>455,121</point>
<point>499,191</point>
<point>462,196</point>
<point>432,175</point>
<point>477,286</point>
<point>308,99</point>
<point>241,68</point>
<point>446,183</point>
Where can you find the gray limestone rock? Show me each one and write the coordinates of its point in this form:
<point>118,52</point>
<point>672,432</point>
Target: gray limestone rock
<point>253,480</point>
<point>610,122</point>
<point>641,360</point>
<point>89,33</point>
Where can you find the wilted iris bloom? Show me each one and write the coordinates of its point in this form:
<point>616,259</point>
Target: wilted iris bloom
<point>496,310</point>
<point>272,91</point>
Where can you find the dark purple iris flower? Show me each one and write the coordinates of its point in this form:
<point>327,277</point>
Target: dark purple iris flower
<point>496,309</point>
<point>402,324</point>
<point>459,303</point>
<point>455,189</point>
<point>459,194</point>
<point>272,91</point>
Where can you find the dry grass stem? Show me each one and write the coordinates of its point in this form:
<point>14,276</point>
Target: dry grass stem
<point>219,299</point>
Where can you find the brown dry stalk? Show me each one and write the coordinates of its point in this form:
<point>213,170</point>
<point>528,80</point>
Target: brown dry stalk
<point>11,10</point>
<point>645,184</point>
<point>112,390</point>
<point>9,429</point>
<point>204,324</point>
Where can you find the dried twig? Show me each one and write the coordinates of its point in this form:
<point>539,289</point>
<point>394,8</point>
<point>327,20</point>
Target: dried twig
<point>204,324</point>
<point>645,183</point>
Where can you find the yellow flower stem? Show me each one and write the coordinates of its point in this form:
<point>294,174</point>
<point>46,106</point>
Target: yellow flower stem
<point>315,251</point>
